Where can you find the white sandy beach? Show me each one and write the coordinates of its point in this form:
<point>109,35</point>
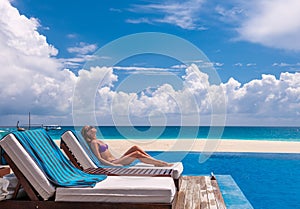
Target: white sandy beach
<point>210,145</point>
<point>120,146</point>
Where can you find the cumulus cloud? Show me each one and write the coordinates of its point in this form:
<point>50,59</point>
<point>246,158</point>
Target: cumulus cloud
<point>95,94</point>
<point>260,99</point>
<point>272,23</point>
<point>267,97</point>
<point>31,79</point>
<point>20,32</point>
<point>89,81</point>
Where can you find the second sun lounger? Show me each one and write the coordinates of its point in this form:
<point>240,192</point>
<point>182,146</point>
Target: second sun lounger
<point>81,156</point>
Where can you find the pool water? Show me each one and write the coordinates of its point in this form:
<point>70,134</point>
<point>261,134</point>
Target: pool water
<point>267,180</point>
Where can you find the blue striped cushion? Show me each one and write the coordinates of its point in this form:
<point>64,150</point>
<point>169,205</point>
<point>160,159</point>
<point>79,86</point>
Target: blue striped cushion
<point>52,161</point>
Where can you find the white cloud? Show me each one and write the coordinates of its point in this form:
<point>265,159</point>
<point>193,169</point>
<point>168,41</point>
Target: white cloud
<point>272,23</point>
<point>268,97</point>
<point>231,14</point>
<point>182,14</point>
<point>283,64</point>
<point>72,35</point>
<point>20,32</point>
<point>79,60</point>
<point>139,21</point>
<point>140,68</point>
<point>246,64</point>
<point>182,66</point>
<point>259,100</point>
<point>31,79</point>
<point>218,64</point>
<point>83,48</point>
<point>250,64</point>
<point>115,10</point>
<point>87,84</point>
<point>83,53</point>
<point>162,100</point>
<point>205,64</point>
<point>238,64</point>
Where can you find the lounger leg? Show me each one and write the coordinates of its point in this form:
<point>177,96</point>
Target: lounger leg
<point>17,189</point>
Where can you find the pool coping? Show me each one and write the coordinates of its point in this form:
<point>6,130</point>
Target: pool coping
<point>233,196</point>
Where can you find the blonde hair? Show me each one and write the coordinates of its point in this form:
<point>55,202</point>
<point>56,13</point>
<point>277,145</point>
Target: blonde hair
<point>84,131</point>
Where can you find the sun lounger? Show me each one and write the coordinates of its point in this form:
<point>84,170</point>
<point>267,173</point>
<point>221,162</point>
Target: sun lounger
<point>87,191</point>
<point>81,156</point>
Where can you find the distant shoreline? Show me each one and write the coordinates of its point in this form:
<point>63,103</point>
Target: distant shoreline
<point>120,146</point>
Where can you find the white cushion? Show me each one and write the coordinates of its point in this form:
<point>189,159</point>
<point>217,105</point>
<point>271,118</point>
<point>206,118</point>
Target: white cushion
<point>27,166</point>
<point>122,189</point>
<point>77,150</point>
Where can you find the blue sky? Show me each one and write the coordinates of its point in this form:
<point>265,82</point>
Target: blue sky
<point>213,28</point>
<point>253,46</point>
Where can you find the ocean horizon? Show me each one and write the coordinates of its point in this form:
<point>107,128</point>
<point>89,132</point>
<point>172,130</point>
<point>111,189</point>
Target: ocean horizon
<point>267,133</point>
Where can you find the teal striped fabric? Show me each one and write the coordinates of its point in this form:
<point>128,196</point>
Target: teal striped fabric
<point>58,169</point>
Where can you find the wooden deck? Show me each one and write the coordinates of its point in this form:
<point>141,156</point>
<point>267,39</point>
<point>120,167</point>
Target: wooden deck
<point>199,192</point>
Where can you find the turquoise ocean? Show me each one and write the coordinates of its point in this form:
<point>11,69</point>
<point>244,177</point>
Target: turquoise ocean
<point>174,132</point>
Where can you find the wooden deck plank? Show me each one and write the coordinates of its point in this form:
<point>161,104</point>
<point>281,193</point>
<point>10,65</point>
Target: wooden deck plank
<point>196,195</point>
<point>218,195</point>
<point>210,194</point>
<point>199,192</point>
<point>203,193</point>
<point>188,201</point>
<point>181,193</point>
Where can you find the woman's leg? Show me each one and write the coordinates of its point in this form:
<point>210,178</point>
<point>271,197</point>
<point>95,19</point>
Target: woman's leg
<point>135,148</point>
<point>127,159</point>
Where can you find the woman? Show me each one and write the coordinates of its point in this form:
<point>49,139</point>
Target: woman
<point>102,152</point>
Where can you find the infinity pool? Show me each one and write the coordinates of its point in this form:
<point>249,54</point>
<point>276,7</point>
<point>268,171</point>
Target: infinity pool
<point>267,180</point>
